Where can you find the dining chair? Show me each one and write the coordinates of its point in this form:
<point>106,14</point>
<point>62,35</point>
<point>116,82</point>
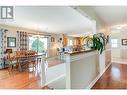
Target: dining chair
<point>12,62</point>
<point>23,60</point>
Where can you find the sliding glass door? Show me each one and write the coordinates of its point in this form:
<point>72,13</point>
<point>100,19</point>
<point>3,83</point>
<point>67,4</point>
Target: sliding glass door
<point>38,44</point>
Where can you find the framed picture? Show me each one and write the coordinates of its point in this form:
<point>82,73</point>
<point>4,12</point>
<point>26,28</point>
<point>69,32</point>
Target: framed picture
<point>11,42</point>
<point>124,41</point>
<point>52,39</point>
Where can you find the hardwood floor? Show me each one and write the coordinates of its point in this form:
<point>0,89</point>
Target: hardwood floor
<point>24,80</point>
<point>114,78</point>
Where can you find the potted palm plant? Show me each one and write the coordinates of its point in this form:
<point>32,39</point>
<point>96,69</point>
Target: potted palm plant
<point>97,41</point>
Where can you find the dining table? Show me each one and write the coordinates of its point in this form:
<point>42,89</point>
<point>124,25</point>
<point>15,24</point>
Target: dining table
<point>18,58</point>
<point>23,57</point>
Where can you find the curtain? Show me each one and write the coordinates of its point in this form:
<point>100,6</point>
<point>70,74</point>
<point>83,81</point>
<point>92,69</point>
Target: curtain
<point>3,46</point>
<point>22,41</point>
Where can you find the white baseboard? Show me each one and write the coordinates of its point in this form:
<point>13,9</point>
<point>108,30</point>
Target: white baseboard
<point>119,62</point>
<point>97,78</point>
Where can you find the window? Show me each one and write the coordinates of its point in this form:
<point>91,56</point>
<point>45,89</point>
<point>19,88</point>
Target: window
<point>114,43</point>
<point>70,42</point>
<point>38,44</point>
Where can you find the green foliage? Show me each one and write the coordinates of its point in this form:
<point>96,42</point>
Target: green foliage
<point>37,45</point>
<point>97,41</point>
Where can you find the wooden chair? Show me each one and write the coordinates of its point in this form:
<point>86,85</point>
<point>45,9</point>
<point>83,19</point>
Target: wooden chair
<point>23,62</point>
<point>12,62</point>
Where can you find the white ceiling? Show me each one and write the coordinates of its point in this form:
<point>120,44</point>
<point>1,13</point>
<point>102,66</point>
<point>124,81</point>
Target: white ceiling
<point>51,19</point>
<point>112,15</point>
<point>65,19</point>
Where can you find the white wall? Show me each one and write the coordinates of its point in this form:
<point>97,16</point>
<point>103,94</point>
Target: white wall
<point>100,25</point>
<point>53,46</point>
<point>81,69</point>
<point>121,50</point>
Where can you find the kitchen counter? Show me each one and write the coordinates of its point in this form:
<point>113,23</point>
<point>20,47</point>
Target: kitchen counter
<point>81,51</point>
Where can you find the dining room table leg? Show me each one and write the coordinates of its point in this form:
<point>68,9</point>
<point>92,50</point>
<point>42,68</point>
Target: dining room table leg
<point>19,66</point>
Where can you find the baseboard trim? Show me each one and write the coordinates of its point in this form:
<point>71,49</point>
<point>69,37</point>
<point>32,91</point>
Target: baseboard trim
<point>97,78</point>
<point>119,62</point>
